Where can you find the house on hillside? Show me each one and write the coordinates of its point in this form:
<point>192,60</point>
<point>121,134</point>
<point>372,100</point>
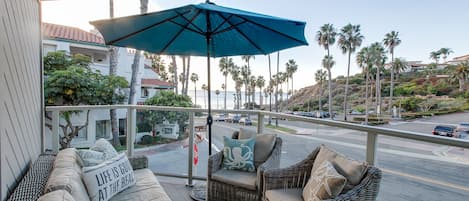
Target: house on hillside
<point>458,60</point>
<point>76,41</point>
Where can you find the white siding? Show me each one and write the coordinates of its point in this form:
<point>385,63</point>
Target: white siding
<point>20,90</point>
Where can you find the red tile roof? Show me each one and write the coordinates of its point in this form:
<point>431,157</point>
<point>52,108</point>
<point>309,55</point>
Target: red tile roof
<point>156,82</point>
<point>461,58</point>
<point>55,31</point>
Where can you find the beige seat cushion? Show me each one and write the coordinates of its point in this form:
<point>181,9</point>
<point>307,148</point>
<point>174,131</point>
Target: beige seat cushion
<point>69,180</point>
<point>290,194</point>
<point>324,183</point>
<point>263,147</point>
<point>246,180</point>
<point>68,158</point>
<point>59,195</point>
<point>147,188</point>
<point>351,169</point>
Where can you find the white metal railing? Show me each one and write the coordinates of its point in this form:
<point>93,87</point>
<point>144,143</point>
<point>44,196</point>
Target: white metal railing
<point>372,132</point>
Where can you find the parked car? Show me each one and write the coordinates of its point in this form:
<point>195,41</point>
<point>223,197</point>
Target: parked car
<point>236,118</point>
<point>245,121</point>
<point>356,112</point>
<point>219,117</point>
<point>444,130</point>
<point>462,130</point>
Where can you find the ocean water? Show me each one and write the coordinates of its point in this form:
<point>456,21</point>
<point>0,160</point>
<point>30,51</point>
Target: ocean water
<point>218,101</point>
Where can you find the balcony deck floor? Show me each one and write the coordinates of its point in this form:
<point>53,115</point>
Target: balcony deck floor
<point>176,188</point>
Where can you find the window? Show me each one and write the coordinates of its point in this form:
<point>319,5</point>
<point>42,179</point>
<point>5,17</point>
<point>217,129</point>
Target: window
<point>102,129</point>
<point>122,127</point>
<point>144,92</point>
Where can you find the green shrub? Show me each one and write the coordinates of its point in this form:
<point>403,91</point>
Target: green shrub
<point>147,140</point>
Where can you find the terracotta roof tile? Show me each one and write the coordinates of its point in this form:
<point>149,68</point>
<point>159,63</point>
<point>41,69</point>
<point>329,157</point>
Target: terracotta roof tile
<point>55,31</point>
<point>156,82</point>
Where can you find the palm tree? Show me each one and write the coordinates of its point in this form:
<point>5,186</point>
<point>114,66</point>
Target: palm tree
<point>235,75</point>
<point>400,65</point>
<point>260,82</point>
<point>205,88</point>
<point>292,67</point>
<point>364,62</point>
<point>226,64</point>
<point>136,62</point>
<point>112,72</point>
<point>461,73</point>
<point>247,58</point>
<point>391,40</point>
<point>194,79</point>
<point>326,38</point>
<point>350,39</point>
<point>445,52</point>
<point>378,57</point>
<point>327,63</point>
<point>320,77</point>
<point>217,92</point>
<point>252,87</point>
<point>435,55</point>
<point>245,73</point>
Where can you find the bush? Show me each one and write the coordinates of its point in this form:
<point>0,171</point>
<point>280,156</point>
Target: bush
<point>123,140</point>
<point>147,140</point>
<point>410,104</point>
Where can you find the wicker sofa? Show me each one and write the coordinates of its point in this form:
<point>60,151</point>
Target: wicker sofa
<point>58,177</point>
<point>227,185</point>
<point>286,184</point>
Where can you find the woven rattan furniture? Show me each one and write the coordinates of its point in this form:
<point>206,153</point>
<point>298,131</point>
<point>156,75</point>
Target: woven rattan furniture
<point>221,191</point>
<point>288,183</point>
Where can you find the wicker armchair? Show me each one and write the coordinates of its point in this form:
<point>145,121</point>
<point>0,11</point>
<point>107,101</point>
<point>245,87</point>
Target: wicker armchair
<point>295,177</point>
<point>221,191</point>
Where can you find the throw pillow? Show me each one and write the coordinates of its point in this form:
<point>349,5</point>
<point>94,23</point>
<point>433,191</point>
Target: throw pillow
<point>102,145</point>
<point>90,157</point>
<point>324,183</point>
<point>246,133</point>
<point>238,154</point>
<point>58,195</point>
<point>351,169</point>
<point>108,178</point>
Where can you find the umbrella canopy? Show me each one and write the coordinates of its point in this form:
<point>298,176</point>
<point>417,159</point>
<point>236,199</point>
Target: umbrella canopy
<point>203,30</point>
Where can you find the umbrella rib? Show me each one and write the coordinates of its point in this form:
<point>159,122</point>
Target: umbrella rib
<point>200,31</point>
<point>221,24</point>
<point>188,28</point>
<point>179,32</point>
<point>244,35</point>
<point>273,30</point>
<point>229,28</point>
<point>144,29</point>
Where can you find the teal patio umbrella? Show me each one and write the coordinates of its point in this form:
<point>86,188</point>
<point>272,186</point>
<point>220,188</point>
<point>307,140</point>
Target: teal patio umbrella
<point>204,29</point>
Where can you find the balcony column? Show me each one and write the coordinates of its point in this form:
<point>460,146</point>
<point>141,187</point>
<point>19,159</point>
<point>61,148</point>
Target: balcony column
<point>131,127</point>
<point>190,149</point>
<point>55,130</point>
<point>371,148</point>
<point>260,123</point>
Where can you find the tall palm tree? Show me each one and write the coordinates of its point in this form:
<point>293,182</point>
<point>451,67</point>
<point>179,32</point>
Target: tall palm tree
<point>245,74</point>
<point>435,55</point>
<point>320,77</point>
<point>445,52</point>
<point>350,39</point>
<point>226,64</point>
<point>136,62</point>
<point>378,55</point>
<point>247,59</point>
<point>461,73</point>
<point>364,62</point>
<point>252,87</point>
<point>400,65</point>
<point>112,72</point>
<point>326,38</point>
<point>391,41</point>
<point>292,67</point>
<point>194,79</point>
<point>328,62</point>
<point>205,88</point>
<point>260,82</point>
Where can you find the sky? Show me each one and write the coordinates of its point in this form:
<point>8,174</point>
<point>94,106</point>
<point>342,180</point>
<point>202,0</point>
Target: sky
<point>423,26</point>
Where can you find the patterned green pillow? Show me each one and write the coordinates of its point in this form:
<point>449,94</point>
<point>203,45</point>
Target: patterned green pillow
<point>239,154</point>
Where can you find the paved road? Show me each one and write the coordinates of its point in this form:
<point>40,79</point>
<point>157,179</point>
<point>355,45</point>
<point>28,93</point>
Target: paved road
<point>412,170</point>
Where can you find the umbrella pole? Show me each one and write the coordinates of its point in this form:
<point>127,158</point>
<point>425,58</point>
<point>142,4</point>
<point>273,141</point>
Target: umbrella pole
<point>209,118</point>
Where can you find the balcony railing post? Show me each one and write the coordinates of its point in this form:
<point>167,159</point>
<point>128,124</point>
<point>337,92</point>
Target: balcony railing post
<point>55,130</point>
<point>371,147</point>
<point>190,149</point>
<point>131,123</point>
<point>260,123</point>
